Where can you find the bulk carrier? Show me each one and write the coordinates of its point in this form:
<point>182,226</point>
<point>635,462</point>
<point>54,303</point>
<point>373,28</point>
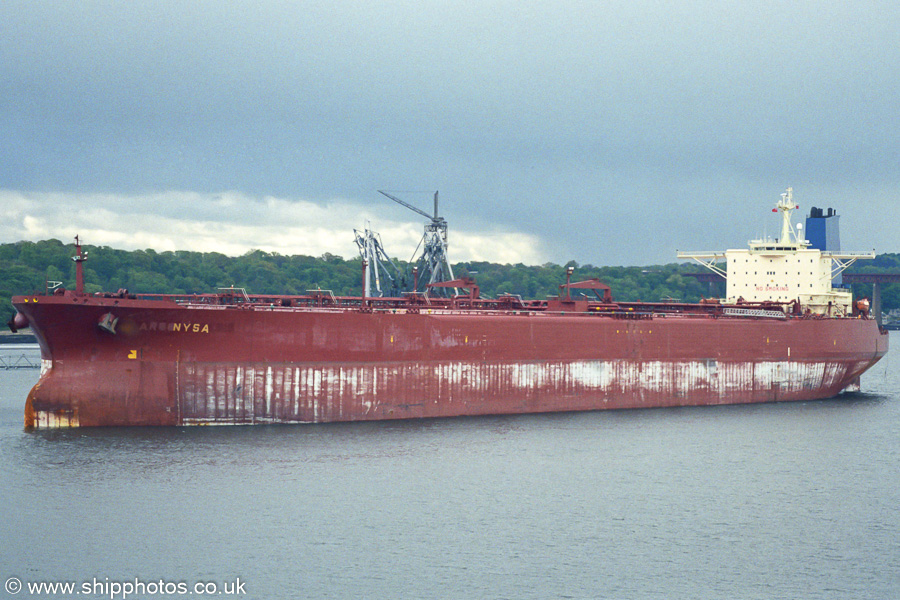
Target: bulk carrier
<point>783,332</point>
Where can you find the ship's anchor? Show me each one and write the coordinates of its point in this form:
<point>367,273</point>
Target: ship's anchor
<point>108,323</point>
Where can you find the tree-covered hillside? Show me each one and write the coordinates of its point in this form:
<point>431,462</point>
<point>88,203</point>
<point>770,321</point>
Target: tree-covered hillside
<point>27,266</point>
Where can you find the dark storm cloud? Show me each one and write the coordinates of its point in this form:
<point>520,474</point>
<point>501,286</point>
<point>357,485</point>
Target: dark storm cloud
<point>617,131</point>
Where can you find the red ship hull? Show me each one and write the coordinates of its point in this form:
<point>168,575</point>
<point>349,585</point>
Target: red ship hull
<point>169,364</point>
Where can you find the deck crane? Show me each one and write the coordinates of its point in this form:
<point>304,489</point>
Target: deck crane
<point>382,275</point>
<point>433,264</point>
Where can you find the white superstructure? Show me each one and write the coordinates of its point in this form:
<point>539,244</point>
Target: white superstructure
<point>783,271</point>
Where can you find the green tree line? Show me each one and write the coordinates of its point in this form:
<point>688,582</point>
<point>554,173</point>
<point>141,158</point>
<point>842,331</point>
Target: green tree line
<point>27,266</point>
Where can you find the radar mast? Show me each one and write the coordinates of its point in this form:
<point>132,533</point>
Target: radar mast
<point>787,207</point>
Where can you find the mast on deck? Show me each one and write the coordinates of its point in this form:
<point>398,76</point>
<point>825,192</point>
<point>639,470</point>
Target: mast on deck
<point>79,258</point>
<point>787,207</point>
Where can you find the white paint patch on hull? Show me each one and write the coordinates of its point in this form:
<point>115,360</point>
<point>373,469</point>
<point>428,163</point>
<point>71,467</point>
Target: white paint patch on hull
<point>316,393</point>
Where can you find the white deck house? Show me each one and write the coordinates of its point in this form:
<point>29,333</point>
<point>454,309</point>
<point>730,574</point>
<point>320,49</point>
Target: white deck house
<point>784,270</point>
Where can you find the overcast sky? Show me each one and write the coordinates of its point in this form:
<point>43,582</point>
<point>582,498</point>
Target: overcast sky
<point>606,132</point>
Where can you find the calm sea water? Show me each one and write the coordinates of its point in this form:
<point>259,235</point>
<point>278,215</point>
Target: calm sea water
<point>771,501</point>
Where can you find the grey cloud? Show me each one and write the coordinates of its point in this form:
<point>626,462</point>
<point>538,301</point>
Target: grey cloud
<point>544,117</point>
